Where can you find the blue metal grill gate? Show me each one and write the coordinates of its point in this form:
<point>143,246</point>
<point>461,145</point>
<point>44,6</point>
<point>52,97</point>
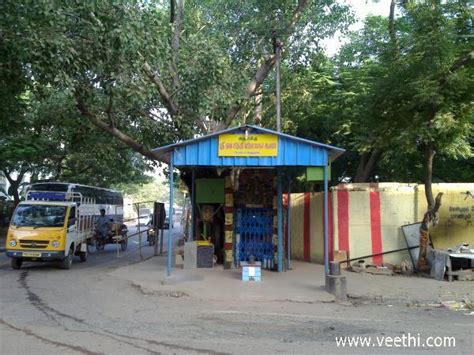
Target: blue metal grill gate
<point>254,236</point>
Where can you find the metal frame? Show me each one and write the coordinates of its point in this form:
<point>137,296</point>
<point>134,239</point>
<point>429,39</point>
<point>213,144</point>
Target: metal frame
<point>280,221</point>
<point>288,225</point>
<point>170,227</point>
<point>193,204</point>
<point>326,220</point>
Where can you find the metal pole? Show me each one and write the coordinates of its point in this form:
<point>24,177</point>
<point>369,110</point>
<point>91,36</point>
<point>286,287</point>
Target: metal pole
<point>161,240</point>
<point>382,253</point>
<point>117,245</point>
<point>280,222</point>
<point>139,232</point>
<point>278,88</point>
<point>193,203</point>
<point>326,220</point>
<point>184,229</point>
<point>170,224</point>
<point>288,224</point>
<point>155,227</point>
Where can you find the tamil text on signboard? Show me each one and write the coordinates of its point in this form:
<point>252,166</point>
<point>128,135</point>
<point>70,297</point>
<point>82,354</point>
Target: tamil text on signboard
<point>250,145</point>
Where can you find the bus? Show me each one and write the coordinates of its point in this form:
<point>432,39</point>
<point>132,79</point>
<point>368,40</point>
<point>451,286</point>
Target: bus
<point>56,221</point>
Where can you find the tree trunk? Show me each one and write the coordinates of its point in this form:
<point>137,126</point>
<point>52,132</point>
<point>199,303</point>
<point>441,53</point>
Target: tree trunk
<point>430,218</point>
<point>367,164</point>
<point>428,173</point>
<point>177,14</point>
<point>267,65</point>
<point>165,96</point>
<point>14,185</point>
<point>129,141</point>
<point>392,32</point>
<point>13,191</point>
<point>257,118</point>
<point>260,75</point>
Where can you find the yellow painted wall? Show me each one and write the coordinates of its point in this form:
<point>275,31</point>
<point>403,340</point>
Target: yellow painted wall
<point>359,224</point>
<point>456,224</point>
<point>297,225</point>
<point>397,208</point>
<point>316,228</point>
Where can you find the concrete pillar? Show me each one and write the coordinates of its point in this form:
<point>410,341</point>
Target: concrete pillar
<point>336,284</point>
<point>229,223</point>
<point>275,222</point>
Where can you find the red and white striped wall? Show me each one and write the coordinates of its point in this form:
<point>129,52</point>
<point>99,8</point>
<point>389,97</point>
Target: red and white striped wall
<point>357,220</point>
<point>364,219</point>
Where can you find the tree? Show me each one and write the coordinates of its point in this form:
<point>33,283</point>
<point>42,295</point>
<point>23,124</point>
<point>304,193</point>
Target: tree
<point>48,143</point>
<point>432,85</point>
<point>329,100</point>
<point>400,87</point>
<point>150,74</point>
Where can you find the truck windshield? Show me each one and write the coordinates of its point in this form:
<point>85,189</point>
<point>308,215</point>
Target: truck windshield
<point>39,216</point>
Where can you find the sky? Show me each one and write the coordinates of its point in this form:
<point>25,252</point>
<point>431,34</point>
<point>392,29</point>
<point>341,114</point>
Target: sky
<point>361,9</point>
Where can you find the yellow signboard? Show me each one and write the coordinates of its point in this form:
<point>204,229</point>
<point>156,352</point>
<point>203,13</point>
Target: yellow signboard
<point>250,145</point>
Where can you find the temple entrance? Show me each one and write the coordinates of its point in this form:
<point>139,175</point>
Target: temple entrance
<point>254,236</point>
<point>254,232</point>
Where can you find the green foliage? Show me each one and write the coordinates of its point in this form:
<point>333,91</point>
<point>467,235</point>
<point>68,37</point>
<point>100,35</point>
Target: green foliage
<point>371,96</point>
<point>154,190</point>
<point>99,51</point>
<point>380,93</point>
<point>150,191</point>
<point>106,55</point>
<point>431,99</point>
<point>50,141</point>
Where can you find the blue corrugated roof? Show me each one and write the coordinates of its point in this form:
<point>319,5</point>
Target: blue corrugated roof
<point>292,151</point>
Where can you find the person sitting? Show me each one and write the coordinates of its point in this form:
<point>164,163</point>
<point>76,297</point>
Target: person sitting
<point>36,218</point>
<point>102,224</point>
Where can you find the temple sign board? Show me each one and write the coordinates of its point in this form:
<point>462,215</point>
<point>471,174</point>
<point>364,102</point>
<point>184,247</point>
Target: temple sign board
<point>248,145</point>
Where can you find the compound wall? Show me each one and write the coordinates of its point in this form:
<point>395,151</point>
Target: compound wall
<point>366,219</point>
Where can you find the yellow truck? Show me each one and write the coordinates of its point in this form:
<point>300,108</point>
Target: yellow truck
<point>56,222</point>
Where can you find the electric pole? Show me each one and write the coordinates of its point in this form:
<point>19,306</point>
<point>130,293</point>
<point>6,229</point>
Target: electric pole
<point>278,86</point>
<point>277,49</point>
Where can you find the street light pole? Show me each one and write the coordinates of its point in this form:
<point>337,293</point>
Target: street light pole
<point>278,45</point>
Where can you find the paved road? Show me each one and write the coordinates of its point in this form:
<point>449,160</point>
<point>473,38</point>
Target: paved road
<point>86,310</point>
<point>109,258</point>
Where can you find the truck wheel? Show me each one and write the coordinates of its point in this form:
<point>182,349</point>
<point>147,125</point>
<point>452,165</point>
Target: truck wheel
<point>16,263</point>
<point>67,261</point>
<point>83,256</point>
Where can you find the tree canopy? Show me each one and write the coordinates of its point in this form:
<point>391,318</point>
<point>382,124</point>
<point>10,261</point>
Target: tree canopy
<point>149,73</point>
<point>400,90</point>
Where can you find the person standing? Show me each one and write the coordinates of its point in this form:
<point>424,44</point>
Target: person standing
<point>102,224</point>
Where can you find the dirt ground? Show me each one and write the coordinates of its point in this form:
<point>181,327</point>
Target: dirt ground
<point>111,305</point>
